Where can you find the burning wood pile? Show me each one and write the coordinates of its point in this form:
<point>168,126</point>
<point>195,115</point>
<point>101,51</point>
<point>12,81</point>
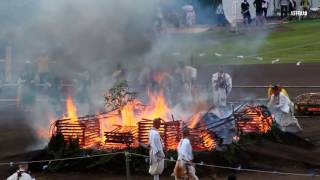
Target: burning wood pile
<point>307,104</point>
<point>127,124</point>
<point>121,135</point>
<point>87,131</point>
<point>170,132</point>
<point>203,140</point>
<point>251,119</point>
<point>103,130</point>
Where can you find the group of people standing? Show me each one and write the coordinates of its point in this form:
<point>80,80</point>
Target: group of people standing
<point>169,13</point>
<point>261,11</point>
<point>262,6</point>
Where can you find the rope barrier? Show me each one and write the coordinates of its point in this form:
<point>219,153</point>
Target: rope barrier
<point>170,160</point>
<point>60,159</point>
<point>238,168</point>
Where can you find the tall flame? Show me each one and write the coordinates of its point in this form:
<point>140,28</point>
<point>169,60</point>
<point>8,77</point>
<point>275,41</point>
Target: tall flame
<point>158,106</point>
<point>127,114</point>
<point>71,110</point>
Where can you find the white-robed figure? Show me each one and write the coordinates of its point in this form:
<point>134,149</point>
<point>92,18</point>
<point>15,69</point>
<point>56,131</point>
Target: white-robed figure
<point>156,150</point>
<point>188,76</point>
<point>190,14</point>
<point>281,107</point>
<point>184,168</point>
<point>221,86</point>
<point>21,174</point>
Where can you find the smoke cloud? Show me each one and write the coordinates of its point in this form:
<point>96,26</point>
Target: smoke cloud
<point>94,35</point>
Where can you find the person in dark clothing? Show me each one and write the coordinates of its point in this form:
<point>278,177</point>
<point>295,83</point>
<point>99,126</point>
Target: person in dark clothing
<point>292,6</point>
<point>259,11</point>
<point>246,12</point>
<point>284,4</point>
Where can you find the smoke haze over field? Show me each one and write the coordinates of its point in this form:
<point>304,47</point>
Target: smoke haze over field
<point>78,32</point>
<point>76,35</point>
<point>94,35</point>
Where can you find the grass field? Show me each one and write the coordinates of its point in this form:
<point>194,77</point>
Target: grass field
<point>290,43</point>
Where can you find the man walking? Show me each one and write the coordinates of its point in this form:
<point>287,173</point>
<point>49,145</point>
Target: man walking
<point>156,150</point>
<point>184,168</point>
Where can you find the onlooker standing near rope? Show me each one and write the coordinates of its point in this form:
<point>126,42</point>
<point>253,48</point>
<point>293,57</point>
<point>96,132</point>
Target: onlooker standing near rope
<point>184,168</point>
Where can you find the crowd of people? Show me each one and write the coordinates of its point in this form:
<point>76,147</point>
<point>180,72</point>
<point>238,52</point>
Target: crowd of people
<point>174,15</point>
<point>262,6</point>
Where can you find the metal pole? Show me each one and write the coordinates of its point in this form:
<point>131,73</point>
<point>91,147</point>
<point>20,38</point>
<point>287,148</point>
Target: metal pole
<point>8,64</point>
<point>126,154</point>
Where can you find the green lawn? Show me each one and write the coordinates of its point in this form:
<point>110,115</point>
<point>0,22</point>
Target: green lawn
<point>292,42</point>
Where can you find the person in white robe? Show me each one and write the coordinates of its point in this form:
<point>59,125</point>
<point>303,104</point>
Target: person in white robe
<point>282,109</point>
<point>156,150</point>
<point>222,86</point>
<point>188,76</point>
<point>21,174</point>
<point>190,14</point>
<point>184,168</point>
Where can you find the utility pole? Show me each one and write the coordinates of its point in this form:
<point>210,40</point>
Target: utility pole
<point>8,64</point>
<point>127,159</point>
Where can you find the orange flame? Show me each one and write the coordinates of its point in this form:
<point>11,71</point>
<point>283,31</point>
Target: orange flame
<point>207,140</point>
<point>158,107</point>
<point>127,115</point>
<point>194,120</point>
<point>258,123</point>
<point>71,110</point>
